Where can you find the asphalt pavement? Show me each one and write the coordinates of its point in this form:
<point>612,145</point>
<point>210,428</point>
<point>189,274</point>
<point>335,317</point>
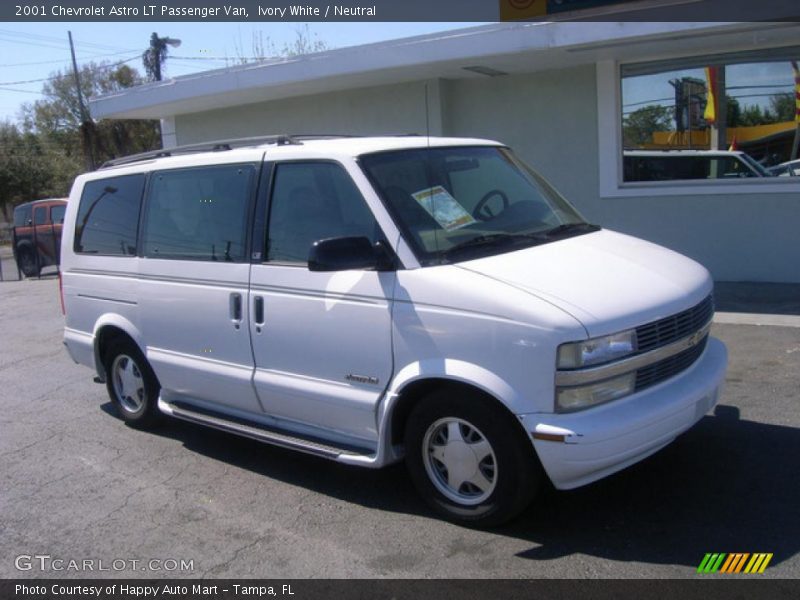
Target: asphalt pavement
<point>76,483</point>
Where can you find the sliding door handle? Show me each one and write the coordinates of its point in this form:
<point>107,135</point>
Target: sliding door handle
<point>258,310</point>
<point>236,308</point>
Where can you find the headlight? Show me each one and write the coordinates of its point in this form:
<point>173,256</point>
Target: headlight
<point>595,351</point>
<point>577,398</point>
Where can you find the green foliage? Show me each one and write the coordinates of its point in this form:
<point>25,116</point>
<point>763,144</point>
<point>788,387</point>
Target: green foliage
<point>638,127</point>
<point>58,117</point>
<point>734,112</point>
<point>783,107</point>
<point>25,171</point>
<point>780,109</point>
<point>42,156</point>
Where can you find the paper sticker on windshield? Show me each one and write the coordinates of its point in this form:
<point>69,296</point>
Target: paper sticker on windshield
<point>443,208</point>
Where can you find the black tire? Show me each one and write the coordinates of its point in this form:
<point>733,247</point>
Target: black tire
<point>507,478</point>
<point>27,262</point>
<point>131,384</point>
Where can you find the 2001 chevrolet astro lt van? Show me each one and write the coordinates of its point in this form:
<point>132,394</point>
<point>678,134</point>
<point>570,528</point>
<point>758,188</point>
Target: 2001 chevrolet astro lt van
<point>373,299</point>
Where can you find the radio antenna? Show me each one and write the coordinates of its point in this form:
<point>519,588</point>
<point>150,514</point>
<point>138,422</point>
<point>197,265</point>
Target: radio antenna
<point>427,116</point>
<point>428,166</point>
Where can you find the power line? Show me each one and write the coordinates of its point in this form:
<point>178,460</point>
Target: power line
<point>99,68</point>
<point>55,39</point>
<point>66,60</point>
<point>21,91</point>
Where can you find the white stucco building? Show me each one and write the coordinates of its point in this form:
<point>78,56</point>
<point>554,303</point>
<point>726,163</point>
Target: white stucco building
<point>551,90</point>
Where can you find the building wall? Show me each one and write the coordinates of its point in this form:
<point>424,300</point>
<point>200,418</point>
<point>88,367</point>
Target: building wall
<point>396,108</point>
<point>550,118</point>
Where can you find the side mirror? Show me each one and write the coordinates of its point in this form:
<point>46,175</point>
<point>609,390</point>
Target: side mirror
<point>343,254</point>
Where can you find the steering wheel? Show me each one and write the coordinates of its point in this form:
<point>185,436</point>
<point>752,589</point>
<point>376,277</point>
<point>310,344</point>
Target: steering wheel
<point>483,211</point>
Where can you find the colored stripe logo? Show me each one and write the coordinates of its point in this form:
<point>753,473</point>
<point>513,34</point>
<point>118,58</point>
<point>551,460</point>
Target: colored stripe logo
<point>736,562</point>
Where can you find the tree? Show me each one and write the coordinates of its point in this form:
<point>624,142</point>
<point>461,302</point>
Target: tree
<point>25,171</point>
<point>263,48</point>
<point>57,118</point>
<point>783,107</point>
<point>638,127</point>
<point>734,111</point>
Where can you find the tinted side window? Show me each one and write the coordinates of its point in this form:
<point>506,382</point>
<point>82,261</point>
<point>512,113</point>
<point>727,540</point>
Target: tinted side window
<point>314,201</point>
<point>22,215</point>
<point>40,215</point>
<point>108,216</point>
<point>57,213</point>
<point>199,214</point>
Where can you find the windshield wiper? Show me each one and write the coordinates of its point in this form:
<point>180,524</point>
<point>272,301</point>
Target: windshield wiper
<point>568,228</point>
<point>493,239</point>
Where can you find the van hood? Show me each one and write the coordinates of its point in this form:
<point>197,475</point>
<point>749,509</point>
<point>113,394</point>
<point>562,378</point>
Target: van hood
<point>606,280</point>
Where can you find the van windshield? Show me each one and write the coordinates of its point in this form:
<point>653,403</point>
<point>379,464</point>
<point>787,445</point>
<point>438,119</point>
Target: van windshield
<point>461,203</point>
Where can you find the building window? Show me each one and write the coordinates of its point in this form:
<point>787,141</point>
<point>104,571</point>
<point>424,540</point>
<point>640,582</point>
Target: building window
<point>108,216</point>
<point>199,214</point>
<point>723,117</point>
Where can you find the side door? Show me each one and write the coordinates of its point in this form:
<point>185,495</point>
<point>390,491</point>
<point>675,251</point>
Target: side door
<point>44,235</point>
<point>57,212</point>
<point>193,278</point>
<point>321,340</point>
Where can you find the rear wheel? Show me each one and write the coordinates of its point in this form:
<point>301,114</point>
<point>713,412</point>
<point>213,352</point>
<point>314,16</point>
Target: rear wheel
<point>469,459</point>
<point>132,385</point>
<point>27,262</point>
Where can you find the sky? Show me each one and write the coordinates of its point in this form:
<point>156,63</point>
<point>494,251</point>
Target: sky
<point>750,84</point>
<point>34,51</point>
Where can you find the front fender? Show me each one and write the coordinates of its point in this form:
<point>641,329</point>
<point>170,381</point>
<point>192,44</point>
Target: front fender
<point>456,370</point>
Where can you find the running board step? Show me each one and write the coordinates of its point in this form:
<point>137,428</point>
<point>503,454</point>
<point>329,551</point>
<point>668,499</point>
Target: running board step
<point>258,433</point>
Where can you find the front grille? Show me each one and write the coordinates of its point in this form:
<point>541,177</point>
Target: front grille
<point>665,331</point>
<point>666,368</point>
<point>670,329</point>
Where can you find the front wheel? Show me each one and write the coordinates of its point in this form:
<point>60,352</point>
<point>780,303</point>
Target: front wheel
<point>469,459</point>
<point>132,385</point>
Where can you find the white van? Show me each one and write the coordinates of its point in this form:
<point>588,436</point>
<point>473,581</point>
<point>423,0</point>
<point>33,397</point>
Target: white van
<point>670,165</point>
<point>370,299</point>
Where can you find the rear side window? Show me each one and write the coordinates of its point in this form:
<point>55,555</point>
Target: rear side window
<point>57,213</point>
<point>108,216</point>
<point>199,214</point>
<point>40,215</point>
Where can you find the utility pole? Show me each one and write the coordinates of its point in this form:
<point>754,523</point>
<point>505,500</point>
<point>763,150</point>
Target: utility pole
<point>156,54</point>
<point>86,125</point>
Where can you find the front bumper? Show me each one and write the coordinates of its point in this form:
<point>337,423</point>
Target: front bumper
<point>604,439</point>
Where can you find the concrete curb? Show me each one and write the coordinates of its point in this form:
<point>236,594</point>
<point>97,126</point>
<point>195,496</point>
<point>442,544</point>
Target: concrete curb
<point>731,318</point>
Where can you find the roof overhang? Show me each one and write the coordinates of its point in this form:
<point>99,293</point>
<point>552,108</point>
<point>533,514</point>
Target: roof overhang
<point>508,48</point>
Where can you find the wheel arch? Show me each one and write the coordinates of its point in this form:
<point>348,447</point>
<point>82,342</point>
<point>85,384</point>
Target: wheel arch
<point>408,391</point>
<point>109,328</point>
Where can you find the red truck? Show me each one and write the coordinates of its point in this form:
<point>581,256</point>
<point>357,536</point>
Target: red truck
<point>36,236</point>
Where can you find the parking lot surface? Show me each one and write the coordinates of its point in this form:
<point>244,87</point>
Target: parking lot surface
<point>77,484</point>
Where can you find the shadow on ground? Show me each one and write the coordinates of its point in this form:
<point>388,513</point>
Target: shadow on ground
<point>759,298</point>
<point>727,485</point>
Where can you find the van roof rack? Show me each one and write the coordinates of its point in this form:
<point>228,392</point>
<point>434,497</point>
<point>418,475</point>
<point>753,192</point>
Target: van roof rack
<point>213,146</point>
<point>219,146</point>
